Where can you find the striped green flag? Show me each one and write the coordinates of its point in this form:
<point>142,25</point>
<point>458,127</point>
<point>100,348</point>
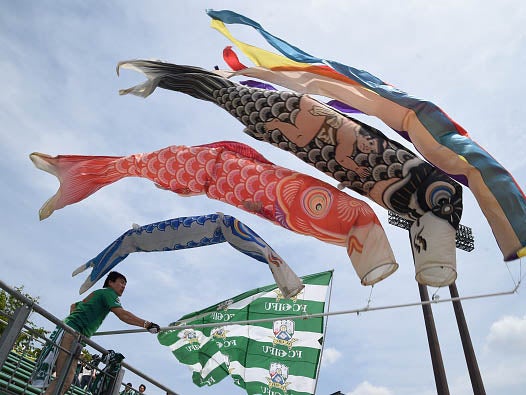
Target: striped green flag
<point>274,357</point>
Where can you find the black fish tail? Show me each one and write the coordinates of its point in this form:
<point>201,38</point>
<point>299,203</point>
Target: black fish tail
<point>194,81</point>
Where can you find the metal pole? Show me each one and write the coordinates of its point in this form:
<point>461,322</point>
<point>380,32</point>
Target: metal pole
<point>73,352</point>
<point>366,309</point>
<point>117,381</point>
<point>8,338</point>
<point>464,241</point>
<point>432,338</point>
<point>469,353</point>
<point>434,346</point>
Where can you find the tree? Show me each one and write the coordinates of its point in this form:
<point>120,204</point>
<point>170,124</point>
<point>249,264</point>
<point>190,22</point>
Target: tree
<point>25,343</point>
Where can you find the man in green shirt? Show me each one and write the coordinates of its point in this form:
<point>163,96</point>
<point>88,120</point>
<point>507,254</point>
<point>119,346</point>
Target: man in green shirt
<point>87,316</point>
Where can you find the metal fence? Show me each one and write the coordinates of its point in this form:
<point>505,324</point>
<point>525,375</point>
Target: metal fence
<point>17,363</point>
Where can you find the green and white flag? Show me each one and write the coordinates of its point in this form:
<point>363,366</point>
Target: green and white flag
<point>279,356</point>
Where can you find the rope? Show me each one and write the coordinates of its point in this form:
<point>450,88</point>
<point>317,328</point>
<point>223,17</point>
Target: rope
<point>435,296</point>
<point>520,276</point>
<point>511,275</point>
<point>370,297</point>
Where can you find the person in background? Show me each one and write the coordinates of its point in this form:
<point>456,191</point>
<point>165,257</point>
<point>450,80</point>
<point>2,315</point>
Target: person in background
<point>142,388</point>
<point>128,390</point>
<point>87,375</point>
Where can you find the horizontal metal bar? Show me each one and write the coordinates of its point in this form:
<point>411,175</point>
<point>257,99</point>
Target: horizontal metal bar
<point>307,316</point>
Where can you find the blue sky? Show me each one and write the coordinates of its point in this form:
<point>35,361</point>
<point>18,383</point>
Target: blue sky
<point>60,96</point>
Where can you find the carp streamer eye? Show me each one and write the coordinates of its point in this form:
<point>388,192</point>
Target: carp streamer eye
<point>316,202</point>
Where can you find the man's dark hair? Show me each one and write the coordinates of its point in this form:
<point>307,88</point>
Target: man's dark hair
<point>113,276</point>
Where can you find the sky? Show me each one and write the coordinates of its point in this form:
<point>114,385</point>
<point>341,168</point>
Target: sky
<point>60,96</point>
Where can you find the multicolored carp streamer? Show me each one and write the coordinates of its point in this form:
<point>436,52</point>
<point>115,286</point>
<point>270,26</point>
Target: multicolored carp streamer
<point>357,155</point>
<point>190,232</point>
<point>236,174</point>
<point>435,135</point>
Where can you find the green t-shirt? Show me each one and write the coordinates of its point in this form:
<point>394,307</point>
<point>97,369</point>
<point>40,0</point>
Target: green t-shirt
<point>89,314</point>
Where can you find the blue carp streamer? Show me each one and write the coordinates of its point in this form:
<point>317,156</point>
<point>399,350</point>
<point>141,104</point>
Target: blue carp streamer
<point>191,232</point>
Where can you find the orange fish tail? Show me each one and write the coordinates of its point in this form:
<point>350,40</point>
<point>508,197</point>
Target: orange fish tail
<point>79,177</point>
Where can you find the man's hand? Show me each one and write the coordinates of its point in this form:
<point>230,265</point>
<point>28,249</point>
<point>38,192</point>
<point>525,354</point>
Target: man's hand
<point>153,328</point>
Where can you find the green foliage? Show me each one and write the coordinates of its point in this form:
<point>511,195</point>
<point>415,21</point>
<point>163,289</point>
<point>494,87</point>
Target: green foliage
<point>85,355</point>
<point>25,343</point>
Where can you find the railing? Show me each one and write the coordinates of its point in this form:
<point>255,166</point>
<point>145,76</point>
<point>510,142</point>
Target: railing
<point>16,368</point>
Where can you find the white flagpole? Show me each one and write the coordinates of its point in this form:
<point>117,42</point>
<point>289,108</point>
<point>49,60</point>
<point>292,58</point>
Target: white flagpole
<point>327,308</point>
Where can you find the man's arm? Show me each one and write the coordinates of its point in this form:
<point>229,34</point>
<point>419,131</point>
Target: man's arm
<point>130,318</point>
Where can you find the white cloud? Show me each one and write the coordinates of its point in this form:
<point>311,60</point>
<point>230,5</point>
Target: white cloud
<point>330,356</point>
<point>367,388</point>
<point>503,357</point>
<point>506,376</point>
<point>508,335</point>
